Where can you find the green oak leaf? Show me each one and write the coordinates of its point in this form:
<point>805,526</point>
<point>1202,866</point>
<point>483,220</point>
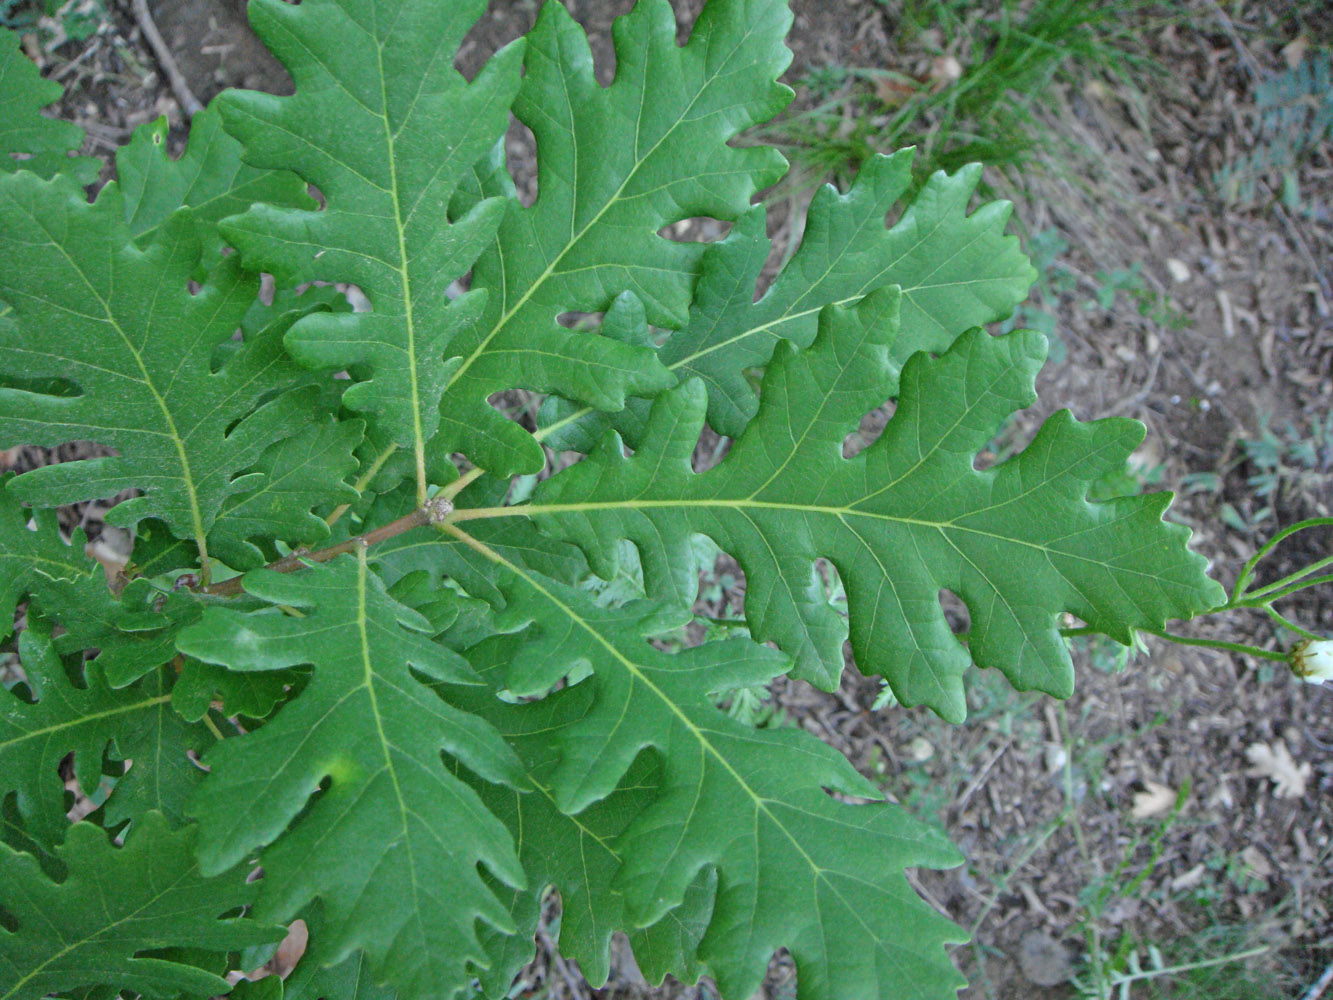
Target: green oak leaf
<point>36,561</point>
<point>321,975</point>
<point>139,346</point>
<point>956,271</point>
<point>42,144</point>
<point>907,517</point>
<point>133,631</point>
<point>92,719</point>
<point>91,928</point>
<point>385,126</point>
<point>575,854</point>
<point>393,843</point>
<point>208,178</point>
<point>795,867</point>
<point>615,165</point>
<point>307,470</point>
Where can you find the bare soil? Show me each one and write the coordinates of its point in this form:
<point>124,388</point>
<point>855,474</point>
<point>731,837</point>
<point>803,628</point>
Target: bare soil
<point>1040,795</point>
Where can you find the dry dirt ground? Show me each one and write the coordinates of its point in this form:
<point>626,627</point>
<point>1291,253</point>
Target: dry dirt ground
<point>1053,803</point>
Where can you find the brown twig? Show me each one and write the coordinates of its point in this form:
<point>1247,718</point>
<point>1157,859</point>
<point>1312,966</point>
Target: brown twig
<point>188,102</point>
<point>433,512</point>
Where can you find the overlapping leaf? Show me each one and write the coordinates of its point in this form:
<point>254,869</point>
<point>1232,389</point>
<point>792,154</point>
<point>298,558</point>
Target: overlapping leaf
<point>393,843</point>
<point>133,723</point>
<point>139,348</point>
<point>297,474</point>
<point>795,867</point>
<point>956,271</point>
<point>208,178</point>
<point>34,560</point>
<point>28,140</point>
<point>575,854</point>
<point>907,517</point>
<point>133,631</point>
<point>385,126</point>
<point>114,904</point>
<point>615,165</point>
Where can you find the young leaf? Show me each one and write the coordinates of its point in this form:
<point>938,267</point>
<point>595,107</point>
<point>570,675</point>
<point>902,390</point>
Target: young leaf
<point>907,517</point>
<point>114,904</point>
<point>615,165</point>
<point>139,346</point>
<point>392,845</point>
<point>408,128</point>
<point>28,140</point>
<point>796,869</point>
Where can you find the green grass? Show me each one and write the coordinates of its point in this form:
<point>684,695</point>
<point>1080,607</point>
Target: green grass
<point>1010,55</point>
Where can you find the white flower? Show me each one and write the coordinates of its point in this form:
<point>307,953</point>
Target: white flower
<point>1312,660</point>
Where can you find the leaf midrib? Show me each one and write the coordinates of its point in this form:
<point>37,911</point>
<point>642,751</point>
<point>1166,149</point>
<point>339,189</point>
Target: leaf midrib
<point>386,746</point>
<point>760,802</point>
<point>187,476</point>
<point>612,201</point>
<point>91,938</point>
<point>85,719</point>
<point>405,280</point>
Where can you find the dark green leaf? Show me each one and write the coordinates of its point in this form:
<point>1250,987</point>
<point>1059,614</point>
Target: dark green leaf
<point>393,841</point>
<point>904,519</point>
<point>114,904</point>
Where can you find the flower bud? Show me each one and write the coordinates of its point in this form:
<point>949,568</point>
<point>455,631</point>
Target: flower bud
<point>1312,660</point>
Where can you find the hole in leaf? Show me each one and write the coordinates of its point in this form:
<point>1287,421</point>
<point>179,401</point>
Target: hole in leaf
<point>721,582</point>
<point>834,591</point>
<point>43,386</point>
<point>318,195</point>
<point>955,612</point>
<point>869,431</point>
<point>517,404</point>
<point>589,322</point>
<point>698,229</point>
<point>521,159</point>
<point>711,449</point>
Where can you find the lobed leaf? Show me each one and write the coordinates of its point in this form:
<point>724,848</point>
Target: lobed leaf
<point>386,128</point>
<point>30,141</point>
<point>575,854</point>
<point>795,867</point>
<point>904,519</point>
<point>139,349</point>
<point>133,723</point>
<point>615,165</point>
<point>956,271</point>
<point>393,841</point>
<point>90,928</point>
<point>208,178</point>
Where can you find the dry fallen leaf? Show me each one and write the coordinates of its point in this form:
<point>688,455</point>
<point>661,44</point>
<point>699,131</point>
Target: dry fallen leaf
<point>1294,51</point>
<point>944,71</point>
<point>1256,863</point>
<point>894,90</point>
<point>1189,880</point>
<point>1154,800</point>
<point>1276,762</point>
